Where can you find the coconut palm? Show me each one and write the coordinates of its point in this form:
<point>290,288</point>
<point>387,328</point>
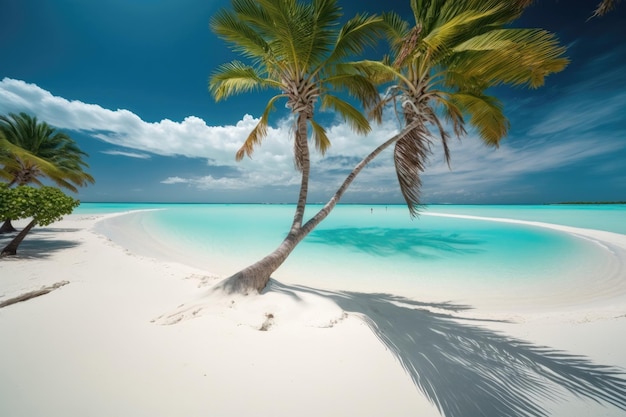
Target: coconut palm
<point>440,71</point>
<point>442,68</point>
<point>296,50</point>
<point>31,151</point>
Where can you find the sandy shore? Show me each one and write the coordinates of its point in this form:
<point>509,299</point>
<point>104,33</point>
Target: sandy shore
<point>136,336</point>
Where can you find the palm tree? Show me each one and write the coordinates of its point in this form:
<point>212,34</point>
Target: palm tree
<point>295,49</point>
<point>439,73</point>
<point>31,150</point>
<point>441,69</point>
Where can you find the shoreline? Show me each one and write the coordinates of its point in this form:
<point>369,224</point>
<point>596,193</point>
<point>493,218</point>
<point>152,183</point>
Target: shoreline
<point>134,335</point>
<point>129,231</point>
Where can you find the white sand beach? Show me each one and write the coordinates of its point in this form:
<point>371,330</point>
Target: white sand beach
<point>132,335</point>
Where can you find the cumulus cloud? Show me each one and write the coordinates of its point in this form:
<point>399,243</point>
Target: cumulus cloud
<point>175,180</point>
<point>128,154</point>
<point>476,169</point>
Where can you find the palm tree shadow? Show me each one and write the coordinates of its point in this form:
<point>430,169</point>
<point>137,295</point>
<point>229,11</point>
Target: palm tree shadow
<point>468,370</point>
<point>39,244</point>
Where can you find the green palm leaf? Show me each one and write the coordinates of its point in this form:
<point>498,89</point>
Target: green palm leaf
<point>259,132</point>
<point>30,149</point>
<point>486,115</point>
<point>508,56</point>
<point>234,78</point>
<point>236,32</point>
<point>359,32</point>
<point>353,116</point>
<point>319,136</point>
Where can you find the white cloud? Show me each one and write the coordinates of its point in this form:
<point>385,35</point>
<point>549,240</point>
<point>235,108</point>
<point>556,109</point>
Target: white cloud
<point>128,154</point>
<point>175,180</point>
<point>582,113</point>
<point>476,169</point>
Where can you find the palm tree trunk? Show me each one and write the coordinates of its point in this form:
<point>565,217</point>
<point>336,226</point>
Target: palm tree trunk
<point>7,227</point>
<point>255,277</point>
<point>303,162</point>
<point>11,248</point>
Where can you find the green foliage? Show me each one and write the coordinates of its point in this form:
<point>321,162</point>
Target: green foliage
<point>45,204</point>
<point>30,149</point>
<point>299,49</point>
<point>441,69</point>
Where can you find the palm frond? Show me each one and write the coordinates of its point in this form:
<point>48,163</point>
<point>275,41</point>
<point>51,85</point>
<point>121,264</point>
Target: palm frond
<point>443,133</point>
<point>507,56</point>
<point>353,116</point>
<point>376,71</point>
<point>426,12</point>
<point>242,38</point>
<point>291,38</point>
<point>444,24</point>
<point>259,132</point>
<point>486,115</point>
<point>443,38</point>
<point>395,30</point>
<point>322,143</point>
<point>359,32</point>
<point>357,84</point>
<point>454,115</point>
<point>410,156</point>
<point>234,78</point>
<point>251,12</point>
<point>324,34</point>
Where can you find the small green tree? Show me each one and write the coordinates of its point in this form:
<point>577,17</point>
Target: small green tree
<point>44,205</point>
<point>31,150</point>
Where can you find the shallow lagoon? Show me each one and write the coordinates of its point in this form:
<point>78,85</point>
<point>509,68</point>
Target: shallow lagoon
<point>382,248</point>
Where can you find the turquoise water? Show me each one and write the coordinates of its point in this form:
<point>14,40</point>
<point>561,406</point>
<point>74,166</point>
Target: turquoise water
<point>608,217</point>
<point>381,248</point>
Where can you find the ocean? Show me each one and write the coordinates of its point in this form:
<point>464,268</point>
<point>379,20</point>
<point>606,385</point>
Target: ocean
<point>379,248</point>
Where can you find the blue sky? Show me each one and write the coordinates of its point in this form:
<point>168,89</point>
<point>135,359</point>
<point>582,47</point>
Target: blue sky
<point>127,79</point>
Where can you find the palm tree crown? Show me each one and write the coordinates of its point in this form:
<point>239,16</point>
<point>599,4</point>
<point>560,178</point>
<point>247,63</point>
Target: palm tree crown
<point>442,67</point>
<point>295,48</point>
<point>31,149</point>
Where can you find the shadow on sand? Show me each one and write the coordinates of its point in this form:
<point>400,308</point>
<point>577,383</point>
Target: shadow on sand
<point>470,371</point>
<point>37,243</point>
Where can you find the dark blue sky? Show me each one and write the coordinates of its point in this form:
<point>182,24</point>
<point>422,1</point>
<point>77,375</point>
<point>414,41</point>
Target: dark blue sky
<point>128,81</point>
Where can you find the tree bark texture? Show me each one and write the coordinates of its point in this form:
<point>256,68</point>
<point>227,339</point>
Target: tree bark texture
<point>33,294</point>
<point>7,227</point>
<point>11,248</point>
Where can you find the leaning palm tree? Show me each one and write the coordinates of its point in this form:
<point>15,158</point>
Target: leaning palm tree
<point>296,50</point>
<point>442,68</point>
<point>437,77</point>
<point>31,151</point>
